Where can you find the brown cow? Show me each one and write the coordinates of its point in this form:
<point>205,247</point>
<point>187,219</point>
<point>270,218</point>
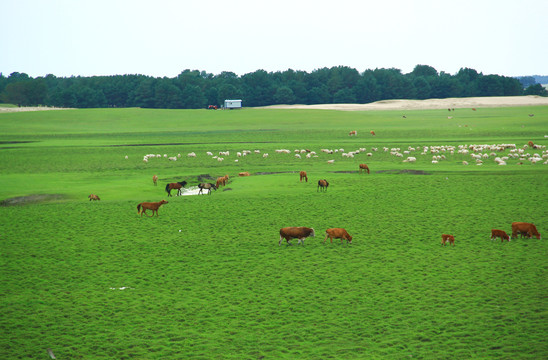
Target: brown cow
<point>353,132</point>
<point>322,185</point>
<point>363,167</point>
<point>93,197</point>
<point>447,239</point>
<point>337,233</point>
<point>303,176</point>
<point>499,233</point>
<point>155,180</point>
<point>524,227</point>
<point>154,206</point>
<point>373,133</point>
<point>245,173</point>
<point>299,233</point>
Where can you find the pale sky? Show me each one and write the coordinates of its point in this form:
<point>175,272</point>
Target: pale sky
<point>164,37</point>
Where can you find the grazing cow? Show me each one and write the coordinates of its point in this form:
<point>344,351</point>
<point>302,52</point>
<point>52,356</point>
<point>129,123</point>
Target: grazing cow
<point>531,144</point>
<point>154,206</point>
<point>523,227</point>
<point>93,197</point>
<point>303,176</point>
<point>207,186</point>
<point>353,132</point>
<point>245,173</point>
<point>363,168</point>
<point>299,233</point>
<point>372,132</point>
<point>322,185</point>
<point>473,109</point>
<point>337,233</point>
<point>155,180</point>
<point>499,233</point>
<point>447,239</point>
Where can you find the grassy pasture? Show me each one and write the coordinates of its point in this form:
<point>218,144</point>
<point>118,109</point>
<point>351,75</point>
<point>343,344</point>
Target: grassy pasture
<point>207,279</point>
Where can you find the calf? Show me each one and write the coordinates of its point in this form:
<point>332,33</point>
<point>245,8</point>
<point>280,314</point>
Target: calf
<point>299,233</point>
<point>499,233</point>
<point>447,239</point>
<point>337,233</point>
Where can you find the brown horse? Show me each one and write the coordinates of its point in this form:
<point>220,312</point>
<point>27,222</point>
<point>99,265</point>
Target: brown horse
<point>303,176</point>
<point>221,181</point>
<point>93,197</point>
<point>154,206</point>
<point>178,185</point>
<point>155,179</point>
<point>364,167</point>
<point>322,185</point>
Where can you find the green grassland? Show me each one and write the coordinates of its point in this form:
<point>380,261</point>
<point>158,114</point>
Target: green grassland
<point>207,279</point>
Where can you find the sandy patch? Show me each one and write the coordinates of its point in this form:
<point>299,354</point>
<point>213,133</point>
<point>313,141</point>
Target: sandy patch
<point>29,108</point>
<point>457,103</point>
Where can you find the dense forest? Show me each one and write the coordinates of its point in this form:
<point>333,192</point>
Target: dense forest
<point>193,89</point>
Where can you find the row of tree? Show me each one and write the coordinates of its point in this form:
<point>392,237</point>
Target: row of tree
<point>193,89</point>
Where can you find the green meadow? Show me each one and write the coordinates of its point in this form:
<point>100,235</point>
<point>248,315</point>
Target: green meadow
<point>206,279</point>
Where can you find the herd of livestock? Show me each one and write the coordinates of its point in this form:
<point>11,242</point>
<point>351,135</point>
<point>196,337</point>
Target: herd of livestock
<point>477,152</point>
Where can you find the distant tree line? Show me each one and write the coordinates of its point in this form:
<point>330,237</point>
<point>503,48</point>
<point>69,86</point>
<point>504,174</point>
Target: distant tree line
<point>193,89</point>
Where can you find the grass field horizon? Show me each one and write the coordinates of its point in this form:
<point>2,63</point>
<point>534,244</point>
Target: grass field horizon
<point>206,279</point>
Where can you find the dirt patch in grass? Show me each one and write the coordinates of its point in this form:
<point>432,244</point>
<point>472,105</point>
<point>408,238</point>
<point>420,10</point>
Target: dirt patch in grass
<point>31,199</point>
<point>404,171</point>
<point>206,177</point>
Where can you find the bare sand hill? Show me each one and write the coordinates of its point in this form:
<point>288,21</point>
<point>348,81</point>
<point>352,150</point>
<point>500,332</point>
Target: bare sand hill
<point>471,102</point>
<point>28,108</point>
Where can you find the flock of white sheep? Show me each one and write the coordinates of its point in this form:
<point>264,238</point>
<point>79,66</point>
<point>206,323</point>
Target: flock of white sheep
<point>500,153</point>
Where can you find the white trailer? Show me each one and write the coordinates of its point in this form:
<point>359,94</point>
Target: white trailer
<point>233,104</point>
